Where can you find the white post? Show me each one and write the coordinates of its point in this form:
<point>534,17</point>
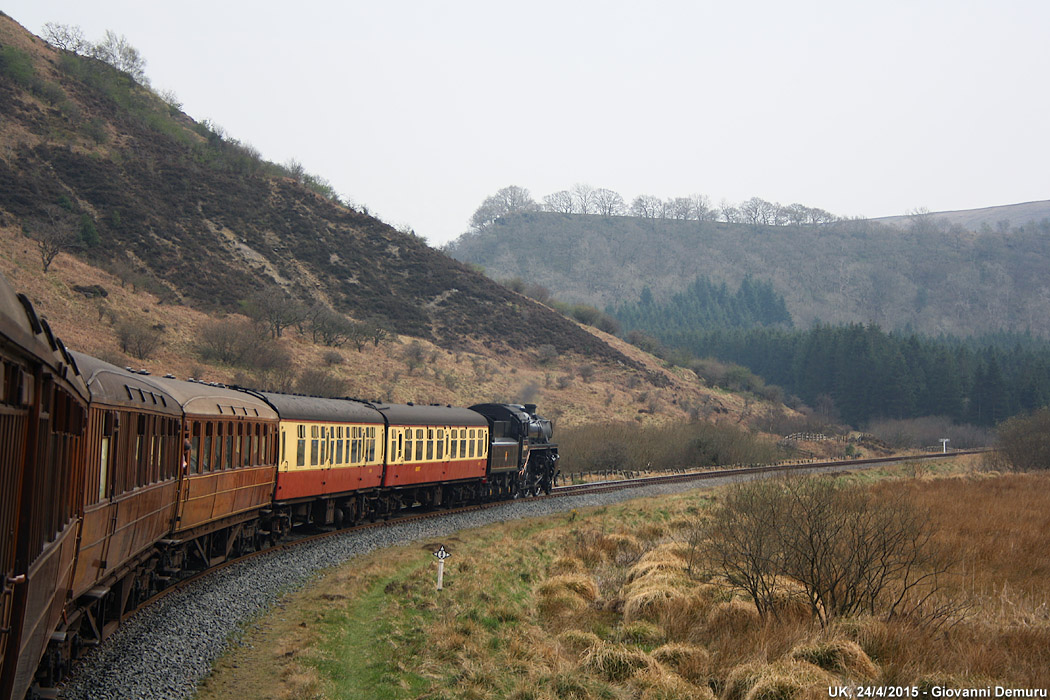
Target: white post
<point>944,445</point>
<point>441,555</point>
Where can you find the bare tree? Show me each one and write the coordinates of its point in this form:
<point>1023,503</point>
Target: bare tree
<point>50,242</point>
<point>728,212</point>
<point>851,552</point>
<point>276,309</point>
<point>561,202</point>
<point>68,37</point>
<point>754,210</point>
<point>117,52</point>
<point>509,200</point>
<point>54,236</point>
<point>609,203</point>
<point>583,195</point>
<point>680,208</point>
<point>647,206</point>
<point>702,210</point>
<point>139,337</point>
<point>330,327</point>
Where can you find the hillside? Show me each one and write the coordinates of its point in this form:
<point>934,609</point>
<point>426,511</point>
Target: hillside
<point>209,224</point>
<point>206,223</point>
<point>167,227</point>
<point>925,274</point>
<point>1003,217</point>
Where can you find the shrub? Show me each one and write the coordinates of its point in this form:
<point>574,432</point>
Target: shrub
<point>851,552</point>
<point>319,382</point>
<point>88,231</point>
<point>241,343</point>
<point>16,66</point>
<point>1024,441</point>
<point>138,337</point>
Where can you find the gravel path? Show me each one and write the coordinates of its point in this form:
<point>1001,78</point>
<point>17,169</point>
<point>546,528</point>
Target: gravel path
<point>167,649</point>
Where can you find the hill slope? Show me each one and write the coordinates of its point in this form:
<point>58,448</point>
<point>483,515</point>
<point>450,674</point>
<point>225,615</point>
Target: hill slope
<point>927,275</point>
<point>88,153</point>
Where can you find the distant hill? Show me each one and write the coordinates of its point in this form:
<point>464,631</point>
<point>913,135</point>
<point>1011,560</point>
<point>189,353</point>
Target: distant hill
<point>999,218</point>
<point>145,192</point>
<point>921,273</point>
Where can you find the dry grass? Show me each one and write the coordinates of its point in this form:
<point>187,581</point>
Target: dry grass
<point>576,584</point>
<point>616,662</point>
<point>595,628</point>
<point>840,656</point>
<point>690,661</point>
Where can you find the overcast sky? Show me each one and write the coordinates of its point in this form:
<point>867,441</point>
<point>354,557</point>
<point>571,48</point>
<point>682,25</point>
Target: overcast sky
<point>419,110</point>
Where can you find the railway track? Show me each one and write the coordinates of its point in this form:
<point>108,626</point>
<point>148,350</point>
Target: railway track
<point>313,551</point>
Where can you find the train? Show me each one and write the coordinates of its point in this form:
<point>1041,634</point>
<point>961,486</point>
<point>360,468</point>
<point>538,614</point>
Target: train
<point>115,484</point>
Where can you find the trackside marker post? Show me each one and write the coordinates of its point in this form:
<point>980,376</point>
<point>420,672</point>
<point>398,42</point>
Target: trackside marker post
<point>441,555</point>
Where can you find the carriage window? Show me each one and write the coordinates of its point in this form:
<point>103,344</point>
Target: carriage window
<point>195,447</point>
<point>103,474</point>
<point>206,455</point>
<point>313,452</point>
<point>372,444</point>
<point>454,444</point>
<point>470,444</point>
<point>339,450</point>
<point>419,444</point>
<point>246,447</point>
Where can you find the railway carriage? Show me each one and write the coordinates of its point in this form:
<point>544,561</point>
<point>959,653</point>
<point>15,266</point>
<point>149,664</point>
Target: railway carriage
<point>435,455</point>
<point>43,402</point>
<point>132,457</point>
<point>228,469</point>
<point>330,456</point>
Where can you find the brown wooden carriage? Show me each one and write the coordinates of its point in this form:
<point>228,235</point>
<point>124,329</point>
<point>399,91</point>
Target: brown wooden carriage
<point>42,417</point>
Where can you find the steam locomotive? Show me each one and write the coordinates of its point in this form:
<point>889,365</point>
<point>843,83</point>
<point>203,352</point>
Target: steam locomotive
<point>114,483</point>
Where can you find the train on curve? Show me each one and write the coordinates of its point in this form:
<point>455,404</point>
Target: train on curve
<point>115,484</point>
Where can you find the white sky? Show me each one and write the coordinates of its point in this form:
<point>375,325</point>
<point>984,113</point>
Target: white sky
<point>419,110</point>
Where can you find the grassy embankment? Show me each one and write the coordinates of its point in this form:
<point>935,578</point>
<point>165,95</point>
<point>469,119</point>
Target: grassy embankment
<point>604,604</point>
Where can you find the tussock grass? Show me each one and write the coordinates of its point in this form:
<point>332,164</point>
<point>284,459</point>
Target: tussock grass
<point>690,661</point>
<point>840,656</point>
<point>661,685</point>
<point>566,565</point>
<point>733,618</point>
<point>782,680</point>
<point>578,642</point>
<point>650,601</point>
<point>616,662</point>
<point>577,584</point>
<point>640,633</point>
<point>560,604</point>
